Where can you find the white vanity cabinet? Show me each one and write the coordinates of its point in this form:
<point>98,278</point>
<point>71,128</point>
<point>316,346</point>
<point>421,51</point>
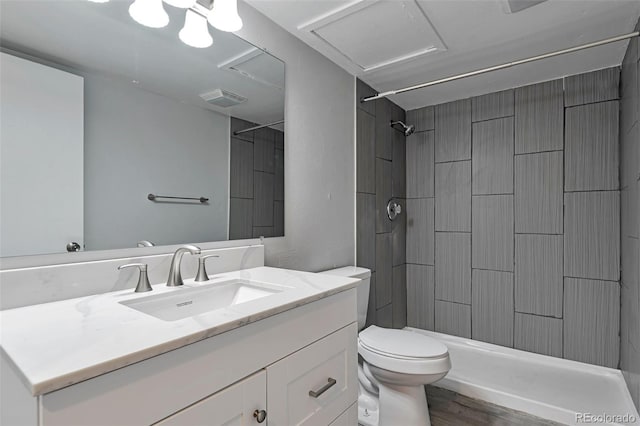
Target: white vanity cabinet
<point>234,406</point>
<point>276,364</point>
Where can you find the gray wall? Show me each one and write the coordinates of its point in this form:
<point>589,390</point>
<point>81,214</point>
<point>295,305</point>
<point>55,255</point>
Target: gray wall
<point>320,183</point>
<point>512,218</point>
<point>380,176</point>
<point>256,206</point>
<point>630,218</point>
<point>136,143</point>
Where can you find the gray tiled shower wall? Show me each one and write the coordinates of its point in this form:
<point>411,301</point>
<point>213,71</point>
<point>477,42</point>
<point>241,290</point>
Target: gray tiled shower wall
<point>630,218</point>
<point>513,218</point>
<point>381,176</point>
<point>256,205</point>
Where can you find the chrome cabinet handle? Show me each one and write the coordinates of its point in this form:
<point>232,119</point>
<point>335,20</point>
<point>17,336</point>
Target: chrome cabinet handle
<point>323,389</point>
<point>260,415</point>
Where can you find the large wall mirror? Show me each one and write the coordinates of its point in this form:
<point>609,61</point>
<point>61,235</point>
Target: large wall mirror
<point>103,120</point>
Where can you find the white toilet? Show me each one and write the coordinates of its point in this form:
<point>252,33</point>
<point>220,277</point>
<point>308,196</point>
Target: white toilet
<point>396,364</point>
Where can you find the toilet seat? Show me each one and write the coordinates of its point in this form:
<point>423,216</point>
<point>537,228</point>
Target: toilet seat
<point>403,351</point>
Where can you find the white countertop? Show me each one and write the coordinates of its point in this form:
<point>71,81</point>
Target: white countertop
<point>54,345</point>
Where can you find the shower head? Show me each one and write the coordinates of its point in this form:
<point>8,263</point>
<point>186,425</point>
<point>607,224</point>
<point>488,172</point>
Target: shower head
<point>407,130</point>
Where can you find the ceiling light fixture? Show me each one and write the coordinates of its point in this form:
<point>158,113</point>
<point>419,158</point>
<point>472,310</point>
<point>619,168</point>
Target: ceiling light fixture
<point>182,4</point>
<point>98,1</point>
<point>224,15</point>
<point>195,32</point>
<point>149,13</point>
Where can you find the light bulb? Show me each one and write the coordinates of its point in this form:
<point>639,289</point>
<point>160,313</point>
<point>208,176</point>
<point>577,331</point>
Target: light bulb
<point>149,13</point>
<point>182,4</point>
<point>195,32</point>
<point>224,15</point>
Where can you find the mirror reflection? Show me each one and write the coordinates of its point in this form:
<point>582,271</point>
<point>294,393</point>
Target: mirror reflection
<point>117,135</point>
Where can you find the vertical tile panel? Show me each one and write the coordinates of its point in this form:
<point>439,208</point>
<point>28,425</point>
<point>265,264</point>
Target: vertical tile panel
<point>399,172</point>
<point>492,239</point>
<point>263,231</point>
<point>539,274</point>
<point>453,267</point>
<point>592,235</point>
<point>383,194</point>
<point>420,231</point>
<point>240,218</point>
<point>493,157</point>
<point>384,316</point>
<point>453,196</point>
<point>630,156</point>
<point>630,213</point>
<point>364,90</point>
<point>538,334</point>
<point>278,218</point>
<point>591,152</point>
<point>538,193</point>
<point>399,236</point>
<point>279,139</point>
<point>591,321</point>
<point>421,118</point>
<point>492,105</point>
<point>365,152</point>
<point>263,198</point>
<point>539,114</point>
<point>264,146</point>
<point>399,296</point>
<point>453,131</point>
<point>384,270</point>
<point>241,169</point>
<point>420,297</point>
<point>492,307</point>
<point>366,230</point>
<point>279,183</point>
<point>453,318</point>
<point>384,131</point>
<point>629,101</point>
<point>420,165</point>
<point>371,309</point>
<point>595,86</point>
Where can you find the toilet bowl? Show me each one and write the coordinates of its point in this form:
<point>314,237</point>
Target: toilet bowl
<point>395,367</point>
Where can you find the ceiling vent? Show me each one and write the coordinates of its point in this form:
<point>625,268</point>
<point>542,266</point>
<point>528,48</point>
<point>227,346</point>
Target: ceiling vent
<point>222,98</point>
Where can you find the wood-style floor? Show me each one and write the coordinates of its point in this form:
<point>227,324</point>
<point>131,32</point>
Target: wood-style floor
<point>451,409</point>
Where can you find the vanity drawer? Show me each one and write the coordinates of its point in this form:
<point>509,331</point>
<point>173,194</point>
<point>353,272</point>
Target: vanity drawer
<point>316,384</point>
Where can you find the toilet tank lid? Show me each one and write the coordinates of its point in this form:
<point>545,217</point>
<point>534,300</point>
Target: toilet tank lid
<point>349,271</point>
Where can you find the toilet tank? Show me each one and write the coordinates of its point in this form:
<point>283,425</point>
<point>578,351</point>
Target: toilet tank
<point>362,290</point>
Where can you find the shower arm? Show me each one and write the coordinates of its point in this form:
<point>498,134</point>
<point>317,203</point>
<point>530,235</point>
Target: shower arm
<point>499,67</point>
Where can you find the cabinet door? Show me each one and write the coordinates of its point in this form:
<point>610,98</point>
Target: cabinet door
<point>233,406</point>
<point>314,385</point>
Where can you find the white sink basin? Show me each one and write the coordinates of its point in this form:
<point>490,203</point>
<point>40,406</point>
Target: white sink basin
<point>184,302</point>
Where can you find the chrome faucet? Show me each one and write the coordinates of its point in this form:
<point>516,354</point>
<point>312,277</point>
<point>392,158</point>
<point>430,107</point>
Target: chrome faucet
<point>175,278</point>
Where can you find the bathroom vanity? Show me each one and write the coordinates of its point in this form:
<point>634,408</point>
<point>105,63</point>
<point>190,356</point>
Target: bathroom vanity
<point>282,351</point>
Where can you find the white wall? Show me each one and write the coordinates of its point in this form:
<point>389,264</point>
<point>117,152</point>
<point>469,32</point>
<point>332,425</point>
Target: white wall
<point>319,152</point>
<point>136,143</point>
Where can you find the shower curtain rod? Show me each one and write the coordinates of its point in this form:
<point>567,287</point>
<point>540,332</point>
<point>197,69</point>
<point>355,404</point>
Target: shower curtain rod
<point>499,67</point>
<point>262,126</point>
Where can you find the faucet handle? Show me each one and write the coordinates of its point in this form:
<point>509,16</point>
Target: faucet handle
<point>202,270</point>
<point>143,278</point>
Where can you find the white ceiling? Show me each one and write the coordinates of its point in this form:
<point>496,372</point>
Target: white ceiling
<point>88,37</point>
<point>391,44</point>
